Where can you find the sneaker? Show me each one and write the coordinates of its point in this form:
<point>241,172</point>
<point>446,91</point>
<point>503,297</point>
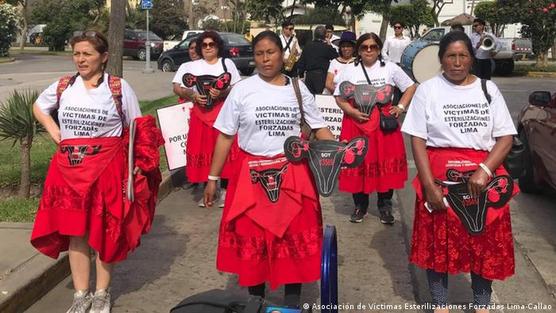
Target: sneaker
<point>101,302</point>
<point>201,203</point>
<point>222,198</point>
<point>385,212</point>
<point>358,215</point>
<point>82,300</point>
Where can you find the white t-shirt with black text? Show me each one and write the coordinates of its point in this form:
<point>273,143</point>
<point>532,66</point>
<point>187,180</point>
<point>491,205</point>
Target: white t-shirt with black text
<point>390,74</point>
<point>89,113</point>
<point>201,67</point>
<point>264,115</point>
<point>454,116</point>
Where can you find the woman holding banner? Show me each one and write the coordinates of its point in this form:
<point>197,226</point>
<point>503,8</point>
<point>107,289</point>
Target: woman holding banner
<point>207,104</point>
<point>461,131</point>
<point>271,229</point>
<point>385,166</point>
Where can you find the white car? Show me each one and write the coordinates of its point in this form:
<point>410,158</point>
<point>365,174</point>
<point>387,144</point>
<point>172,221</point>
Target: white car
<point>169,44</point>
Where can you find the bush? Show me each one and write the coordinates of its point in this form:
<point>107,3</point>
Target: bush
<point>8,27</point>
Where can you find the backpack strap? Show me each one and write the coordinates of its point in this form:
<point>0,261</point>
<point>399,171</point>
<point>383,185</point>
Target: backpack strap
<point>115,85</point>
<point>485,91</point>
<point>63,84</point>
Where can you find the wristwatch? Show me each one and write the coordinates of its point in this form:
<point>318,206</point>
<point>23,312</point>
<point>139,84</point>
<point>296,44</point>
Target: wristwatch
<point>401,107</point>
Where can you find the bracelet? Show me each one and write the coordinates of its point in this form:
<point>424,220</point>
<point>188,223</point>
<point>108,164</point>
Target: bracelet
<point>401,107</point>
<point>210,177</point>
<point>486,169</point>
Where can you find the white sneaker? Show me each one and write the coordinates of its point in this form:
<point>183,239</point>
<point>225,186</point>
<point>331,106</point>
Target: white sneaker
<point>222,198</point>
<point>201,203</point>
<point>101,302</point>
<point>82,300</point>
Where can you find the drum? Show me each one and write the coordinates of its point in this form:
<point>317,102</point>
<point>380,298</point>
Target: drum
<point>420,60</point>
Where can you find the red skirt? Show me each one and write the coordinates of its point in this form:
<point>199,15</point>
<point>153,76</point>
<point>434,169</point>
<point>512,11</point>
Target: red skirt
<point>263,241</point>
<point>201,141</point>
<point>384,167</point>
<point>441,242</point>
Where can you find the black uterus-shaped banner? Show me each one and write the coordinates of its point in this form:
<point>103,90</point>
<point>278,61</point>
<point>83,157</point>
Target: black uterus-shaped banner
<point>270,180</point>
<point>205,82</point>
<point>326,158</point>
<point>365,95</point>
<point>473,211</point>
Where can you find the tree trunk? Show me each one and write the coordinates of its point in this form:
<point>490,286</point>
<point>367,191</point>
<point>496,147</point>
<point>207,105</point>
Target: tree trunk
<point>116,38</point>
<point>25,165</point>
<point>554,50</point>
<point>384,27</point>
<point>190,17</point>
<point>24,26</point>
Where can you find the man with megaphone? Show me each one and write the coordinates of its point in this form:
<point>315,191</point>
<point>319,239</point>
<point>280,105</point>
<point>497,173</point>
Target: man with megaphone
<point>484,46</point>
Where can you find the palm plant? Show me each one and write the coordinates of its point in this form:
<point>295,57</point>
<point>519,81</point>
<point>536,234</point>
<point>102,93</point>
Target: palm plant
<point>18,124</point>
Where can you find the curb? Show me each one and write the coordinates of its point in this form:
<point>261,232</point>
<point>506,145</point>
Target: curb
<point>541,74</point>
<point>32,279</point>
<point>8,60</point>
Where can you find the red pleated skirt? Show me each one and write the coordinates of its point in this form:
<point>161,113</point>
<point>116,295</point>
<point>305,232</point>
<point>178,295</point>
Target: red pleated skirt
<point>255,252</point>
<point>384,167</point>
<point>91,206</point>
<point>201,141</point>
<point>441,242</point>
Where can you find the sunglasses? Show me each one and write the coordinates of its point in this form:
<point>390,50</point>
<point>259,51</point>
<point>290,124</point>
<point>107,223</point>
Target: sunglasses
<point>397,27</point>
<point>371,48</point>
<point>209,45</point>
<point>290,28</point>
<point>93,34</point>
<point>475,25</point>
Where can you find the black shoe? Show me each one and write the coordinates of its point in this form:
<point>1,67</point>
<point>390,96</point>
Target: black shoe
<point>358,215</point>
<point>386,217</point>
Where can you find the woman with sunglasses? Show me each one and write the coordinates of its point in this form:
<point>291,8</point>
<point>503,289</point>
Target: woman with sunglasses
<point>202,136</point>
<point>385,166</point>
<point>271,229</point>
<point>461,131</point>
<point>347,52</point>
<point>82,205</point>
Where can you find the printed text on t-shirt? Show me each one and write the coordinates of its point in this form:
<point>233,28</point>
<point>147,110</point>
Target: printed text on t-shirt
<point>84,122</point>
<point>467,117</point>
<point>276,120</point>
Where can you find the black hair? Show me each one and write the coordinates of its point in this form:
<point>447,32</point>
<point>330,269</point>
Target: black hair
<point>452,37</point>
<point>397,22</point>
<point>191,43</point>
<point>215,37</point>
<point>457,26</point>
<point>480,21</point>
<point>270,35</point>
<point>365,37</point>
<point>329,26</point>
<point>287,23</point>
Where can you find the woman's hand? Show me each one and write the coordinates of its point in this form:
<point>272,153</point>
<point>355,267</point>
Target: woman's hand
<point>396,111</point>
<point>434,197</point>
<point>200,100</point>
<point>137,170</point>
<point>210,192</point>
<point>55,135</point>
<point>358,115</point>
<point>477,182</point>
<point>215,93</point>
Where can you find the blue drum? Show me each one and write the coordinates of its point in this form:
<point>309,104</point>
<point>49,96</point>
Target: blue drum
<point>329,271</point>
<point>420,60</point>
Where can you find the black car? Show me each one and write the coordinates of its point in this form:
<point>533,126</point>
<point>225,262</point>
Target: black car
<point>236,48</point>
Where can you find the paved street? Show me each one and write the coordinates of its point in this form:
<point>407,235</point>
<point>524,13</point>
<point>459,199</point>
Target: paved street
<point>177,258</point>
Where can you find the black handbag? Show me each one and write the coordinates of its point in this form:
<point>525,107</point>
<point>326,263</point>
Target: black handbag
<point>514,160</point>
<point>219,301</point>
<point>388,123</point>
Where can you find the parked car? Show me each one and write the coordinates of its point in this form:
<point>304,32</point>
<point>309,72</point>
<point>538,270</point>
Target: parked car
<point>236,48</point>
<point>134,44</point>
<point>522,48</point>
<point>537,130</point>
<point>169,44</point>
<point>503,59</point>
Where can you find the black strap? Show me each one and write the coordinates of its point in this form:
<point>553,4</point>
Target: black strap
<point>288,43</point>
<point>485,91</point>
<point>224,65</point>
<point>365,72</point>
<point>295,83</point>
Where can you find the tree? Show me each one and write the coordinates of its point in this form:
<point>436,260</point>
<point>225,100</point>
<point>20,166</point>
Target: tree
<point>354,8</point>
<point>497,15</point>
<point>320,14</point>
<point>18,123</point>
<point>8,27</point>
<point>168,18</point>
<point>436,8</point>
<point>116,38</point>
<point>63,17</point>
<point>23,14</point>
<point>539,19</point>
<point>269,11</point>
<point>413,15</point>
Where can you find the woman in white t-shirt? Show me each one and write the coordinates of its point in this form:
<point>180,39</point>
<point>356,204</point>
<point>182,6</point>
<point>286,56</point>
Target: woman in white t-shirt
<point>460,133</point>
<point>202,136</point>
<point>82,206</point>
<point>271,229</point>
<point>385,166</point>
<point>346,58</point>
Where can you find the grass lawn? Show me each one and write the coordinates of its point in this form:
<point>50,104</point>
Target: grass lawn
<point>524,68</point>
<point>18,210</point>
